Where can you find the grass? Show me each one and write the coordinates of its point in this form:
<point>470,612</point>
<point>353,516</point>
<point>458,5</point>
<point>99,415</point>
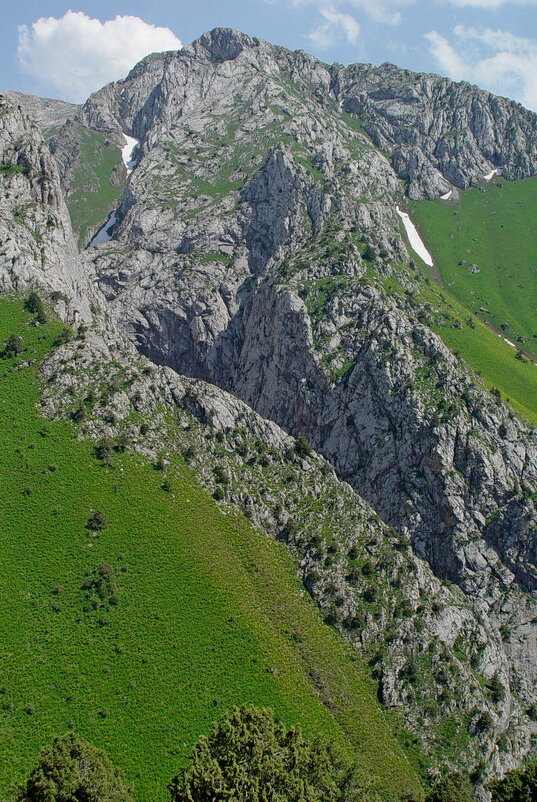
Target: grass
<point>93,197</point>
<point>210,613</point>
<point>484,351</point>
<point>494,360</point>
<point>492,227</point>
<point>11,169</point>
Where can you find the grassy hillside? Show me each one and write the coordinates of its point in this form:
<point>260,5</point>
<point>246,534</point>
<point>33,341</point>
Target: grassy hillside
<point>93,196</point>
<point>138,635</point>
<point>464,332</point>
<point>493,228</point>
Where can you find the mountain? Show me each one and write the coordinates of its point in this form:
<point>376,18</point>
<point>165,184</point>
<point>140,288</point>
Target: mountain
<point>253,250</point>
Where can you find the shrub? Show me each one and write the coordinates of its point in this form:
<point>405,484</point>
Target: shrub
<point>34,304</point>
<point>248,757</point>
<point>496,688</point>
<point>101,588</point>
<point>519,785</point>
<point>78,413</point>
<point>13,346</point>
<point>103,451</point>
<point>74,769</point>
<point>97,521</point>
<point>451,788</point>
<point>220,475</point>
<point>302,447</point>
<point>65,336</point>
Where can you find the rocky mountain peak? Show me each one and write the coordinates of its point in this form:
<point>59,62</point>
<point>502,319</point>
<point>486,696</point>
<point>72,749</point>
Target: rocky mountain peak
<point>225,44</point>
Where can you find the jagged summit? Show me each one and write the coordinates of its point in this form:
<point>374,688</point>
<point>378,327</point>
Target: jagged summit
<point>225,44</point>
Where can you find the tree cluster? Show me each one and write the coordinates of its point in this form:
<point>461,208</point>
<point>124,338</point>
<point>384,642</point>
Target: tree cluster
<point>247,757</point>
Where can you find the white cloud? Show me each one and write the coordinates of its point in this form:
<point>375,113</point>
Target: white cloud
<point>75,54</point>
<point>336,22</point>
<point>510,70</point>
<point>379,10</point>
<point>446,56</point>
<point>493,3</point>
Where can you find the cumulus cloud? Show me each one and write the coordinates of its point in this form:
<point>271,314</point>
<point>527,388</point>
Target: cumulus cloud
<point>75,54</point>
<point>335,23</point>
<point>510,69</point>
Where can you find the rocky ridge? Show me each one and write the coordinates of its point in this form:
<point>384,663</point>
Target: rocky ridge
<point>438,131</point>
<point>248,252</point>
<point>437,657</point>
<point>48,113</point>
<point>36,241</point>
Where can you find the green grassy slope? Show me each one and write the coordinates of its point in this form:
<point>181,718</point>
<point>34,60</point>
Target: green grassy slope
<point>210,613</point>
<point>493,227</point>
<point>93,197</point>
<point>484,351</point>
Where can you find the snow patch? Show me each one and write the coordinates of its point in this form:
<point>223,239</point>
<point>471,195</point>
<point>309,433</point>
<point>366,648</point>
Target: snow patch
<point>416,242</point>
<point>447,196</point>
<point>490,175</point>
<point>507,341</point>
<point>127,152</point>
<point>103,234</point>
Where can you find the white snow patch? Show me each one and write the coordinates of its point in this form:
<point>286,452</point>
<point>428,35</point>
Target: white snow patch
<point>507,341</point>
<point>447,196</point>
<point>490,175</point>
<point>127,151</point>
<point>102,234</point>
<point>416,242</point>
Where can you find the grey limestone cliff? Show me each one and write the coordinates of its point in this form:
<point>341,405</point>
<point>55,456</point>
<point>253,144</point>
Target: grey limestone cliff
<point>36,241</point>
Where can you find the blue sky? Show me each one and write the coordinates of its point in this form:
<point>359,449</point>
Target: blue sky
<point>67,50</point>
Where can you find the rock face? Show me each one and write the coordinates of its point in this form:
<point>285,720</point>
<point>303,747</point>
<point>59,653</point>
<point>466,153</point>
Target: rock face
<point>36,241</point>
<point>49,114</point>
<point>251,250</point>
<point>436,130</point>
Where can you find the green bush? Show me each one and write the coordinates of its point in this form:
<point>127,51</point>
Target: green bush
<point>302,447</point>
<point>249,757</point>
<point>72,769</point>
<point>519,785</point>
<point>13,346</point>
<point>451,788</point>
<point>35,305</point>
<point>97,521</point>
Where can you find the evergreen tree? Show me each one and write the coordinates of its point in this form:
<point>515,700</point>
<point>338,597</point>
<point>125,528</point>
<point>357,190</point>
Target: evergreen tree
<point>72,770</point>
<point>35,305</point>
<point>248,757</point>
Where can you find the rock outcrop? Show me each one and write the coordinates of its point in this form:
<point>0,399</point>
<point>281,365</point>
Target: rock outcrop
<point>36,241</point>
<point>438,131</point>
<point>48,113</point>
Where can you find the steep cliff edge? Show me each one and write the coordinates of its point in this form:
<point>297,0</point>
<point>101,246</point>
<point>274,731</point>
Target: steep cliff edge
<point>436,130</point>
